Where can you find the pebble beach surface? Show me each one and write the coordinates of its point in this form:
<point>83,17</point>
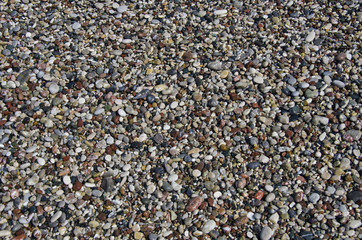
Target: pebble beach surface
<point>180,119</point>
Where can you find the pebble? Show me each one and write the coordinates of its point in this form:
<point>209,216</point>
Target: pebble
<point>314,198</point>
<point>53,88</point>
<point>310,37</point>
<point>266,233</point>
<point>258,79</point>
<point>155,121</point>
<point>355,224</point>
<point>220,12</point>
<point>76,25</point>
<point>339,84</point>
<point>209,226</point>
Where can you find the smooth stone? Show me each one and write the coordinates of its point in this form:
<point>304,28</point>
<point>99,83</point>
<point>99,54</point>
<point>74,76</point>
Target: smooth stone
<point>168,187</point>
<point>23,76</point>
<point>355,196</point>
<point>355,134</point>
<point>53,88</point>
<point>76,25</point>
<point>258,79</point>
<point>11,84</point>
<point>150,98</point>
<point>274,218</point>
<point>209,226</point>
<point>339,83</point>
<point>355,224</point>
<point>310,37</point>
<point>303,85</point>
<point>270,197</point>
<point>5,233</point>
<point>306,235</point>
<point>266,233</point>
<point>216,65</point>
<point>311,93</point>
<point>172,178</point>
<point>151,188</point>
<point>6,52</point>
<point>122,8</point>
<point>220,12</point>
<point>33,180</point>
<point>31,149</point>
<point>99,111</point>
<point>66,180</point>
<point>314,197</point>
<point>253,165</point>
<point>320,120</point>
<point>56,216</point>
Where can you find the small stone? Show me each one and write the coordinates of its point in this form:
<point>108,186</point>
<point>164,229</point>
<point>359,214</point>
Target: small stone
<point>355,224</point>
<point>172,178</point>
<point>93,224</point>
<point>138,235</point>
<point>99,111</point>
<point>11,84</point>
<point>217,65</point>
<point>77,186</point>
<point>224,74</point>
<point>266,233</point>
<point>187,56</point>
<point>5,233</point>
<point>320,120</point>
<point>6,52</point>
<point>258,80</point>
<point>76,25</point>
<point>341,56</point>
<point>355,196</point>
<point>23,76</point>
<point>253,165</point>
<point>310,37</point>
<point>151,188</point>
<point>33,180</point>
<point>122,8</point>
<point>270,197</point>
<point>338,83</point>
<point>209,226</point>
<point>168,187</point>
<point>194,204</point>
<point>56,216</point>
<point>196,173</point>
<point>66,180</point>
<point>314,198</point>
<point>150,98</point>
<point>53,88</point>
<point>220,12</point>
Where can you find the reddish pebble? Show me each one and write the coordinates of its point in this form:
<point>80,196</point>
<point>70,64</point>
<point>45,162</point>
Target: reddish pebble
<point>80,123</point>
<point>14,193</point>
<point>194,204</point>
<point>298,197</point>
<point>259,195</point>
<point>77,186</point>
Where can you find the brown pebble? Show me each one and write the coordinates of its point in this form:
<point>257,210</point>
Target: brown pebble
<point>194,204</point>
<point>298,197</point>
<point>102,216</point>
<point>187,56</point>
<point>77,186</point>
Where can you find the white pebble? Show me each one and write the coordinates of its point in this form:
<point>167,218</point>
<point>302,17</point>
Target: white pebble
<point>310,37</point>
<point>221,12</point>
<point>66,180</point>
<point>209,226</point>
<point>53,88</point>
<point>173,177</point>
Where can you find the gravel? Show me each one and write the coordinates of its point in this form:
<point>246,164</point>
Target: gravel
<point>180,120</point>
